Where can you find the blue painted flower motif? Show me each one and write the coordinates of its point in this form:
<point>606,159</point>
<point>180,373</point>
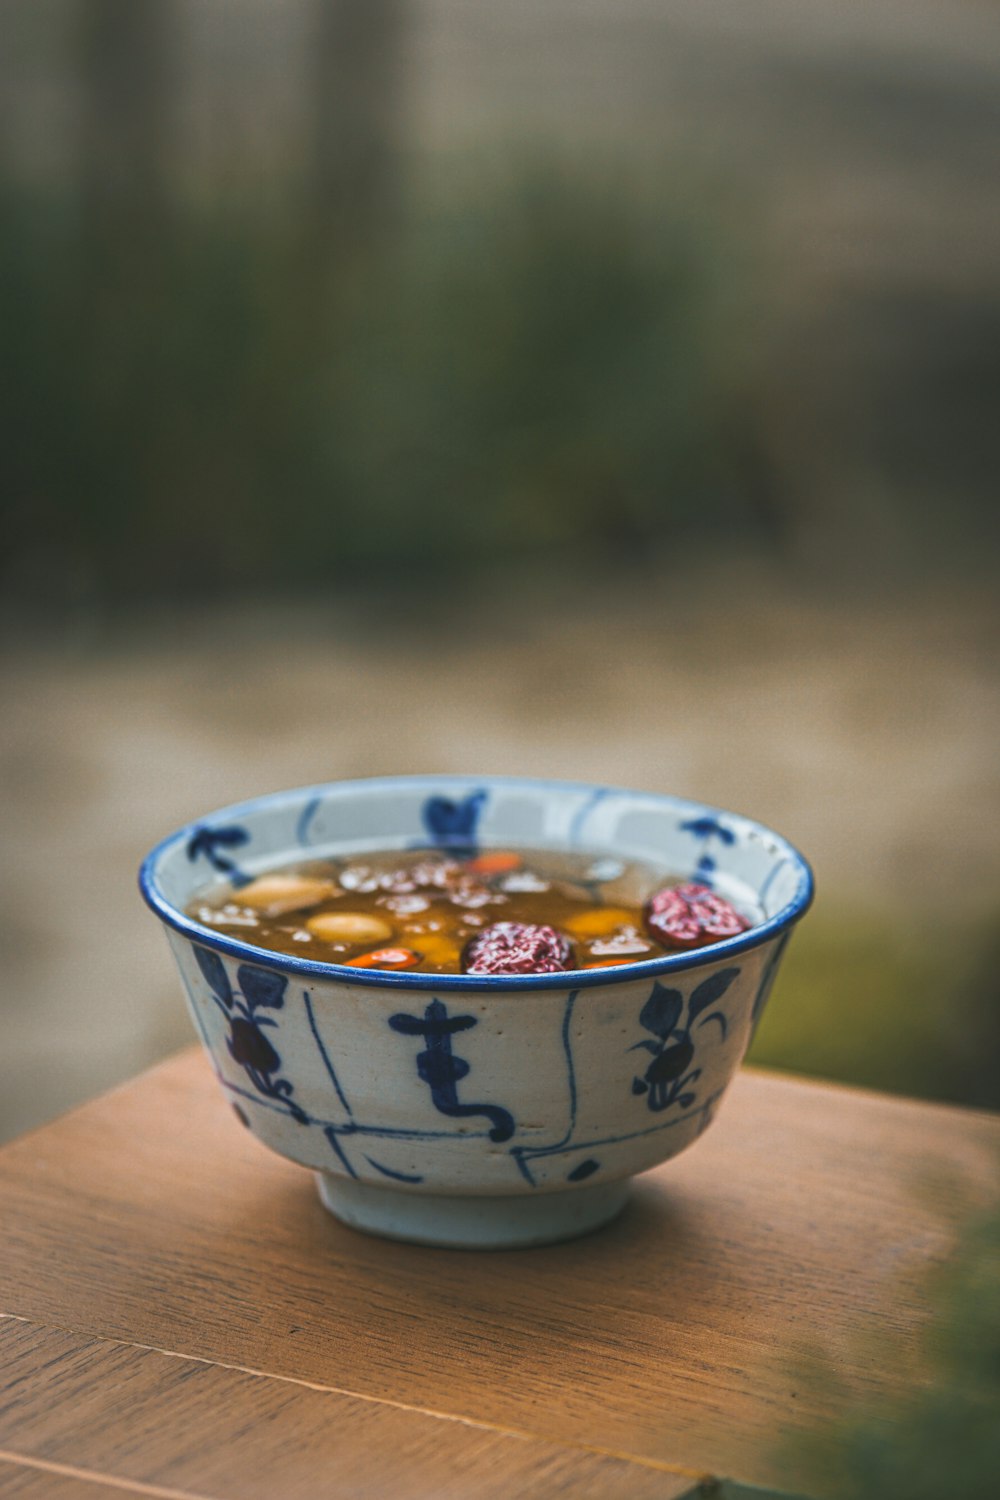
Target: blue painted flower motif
<point>669,1077</point>
<point>214,973</point>
<point>453,825</point>
<point>251,1049</point>
<point>207,842</point>
<point>249,1046</point>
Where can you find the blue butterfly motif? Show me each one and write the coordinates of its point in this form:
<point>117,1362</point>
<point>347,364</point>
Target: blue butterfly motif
<point>453,825</point>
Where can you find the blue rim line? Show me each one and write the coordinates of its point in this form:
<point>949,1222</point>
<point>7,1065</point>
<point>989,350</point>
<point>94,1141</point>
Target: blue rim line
<point>307,968</point>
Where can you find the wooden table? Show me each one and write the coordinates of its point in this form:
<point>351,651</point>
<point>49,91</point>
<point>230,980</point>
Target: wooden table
<point>182,1318</point>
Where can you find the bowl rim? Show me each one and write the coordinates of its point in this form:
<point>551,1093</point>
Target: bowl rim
<point>393,979</point>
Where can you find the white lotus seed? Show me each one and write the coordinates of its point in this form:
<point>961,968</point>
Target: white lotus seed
<point>274,895</point>
<point>348,927</point>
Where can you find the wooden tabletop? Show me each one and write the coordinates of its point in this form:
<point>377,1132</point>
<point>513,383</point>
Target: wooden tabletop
<point>182,1318</point>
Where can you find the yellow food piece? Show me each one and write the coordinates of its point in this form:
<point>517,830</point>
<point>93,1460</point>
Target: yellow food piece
<point>601,922</point>
<point>437,950</point>
<point>348,927</point>
<point>273,895</point>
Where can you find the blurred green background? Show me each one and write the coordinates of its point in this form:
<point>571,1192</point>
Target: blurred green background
<point>602,390</point>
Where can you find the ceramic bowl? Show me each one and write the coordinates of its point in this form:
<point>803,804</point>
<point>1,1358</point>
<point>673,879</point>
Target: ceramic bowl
<point>477,1111</point>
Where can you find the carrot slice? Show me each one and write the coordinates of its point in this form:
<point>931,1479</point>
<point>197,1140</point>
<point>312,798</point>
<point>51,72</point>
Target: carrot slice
<point>385,958</point>
<point>494,862</point>
<point>611,963</point>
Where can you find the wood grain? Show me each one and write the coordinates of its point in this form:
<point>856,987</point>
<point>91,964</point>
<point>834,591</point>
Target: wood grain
<point>29,1481</point>
<point>184,1427</point>
<point>800,1225</point>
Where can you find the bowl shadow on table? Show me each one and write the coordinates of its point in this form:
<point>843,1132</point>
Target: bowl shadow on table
<point>654,1335</point>
<point>622,1336</point>
<point>593,1288</point>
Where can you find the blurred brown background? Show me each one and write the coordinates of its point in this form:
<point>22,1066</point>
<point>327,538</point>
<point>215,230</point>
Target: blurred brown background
<point>605,389</point>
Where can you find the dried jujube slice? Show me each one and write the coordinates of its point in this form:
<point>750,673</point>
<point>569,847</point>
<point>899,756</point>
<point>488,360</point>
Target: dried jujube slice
<point>626,941</point>
<point>691,916</point>
<point>517,948</point>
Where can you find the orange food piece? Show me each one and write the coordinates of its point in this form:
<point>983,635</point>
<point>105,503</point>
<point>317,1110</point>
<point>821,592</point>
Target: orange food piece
<point>599,921</point>
<point>494,862</point>
<point>385,958</point>
<point>611,963</point>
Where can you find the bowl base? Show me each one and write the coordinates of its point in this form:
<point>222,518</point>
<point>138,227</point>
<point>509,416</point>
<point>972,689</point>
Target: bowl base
<point>467,1222</point>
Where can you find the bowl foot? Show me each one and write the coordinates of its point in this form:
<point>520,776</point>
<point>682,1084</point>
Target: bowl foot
<point>471,1223</point>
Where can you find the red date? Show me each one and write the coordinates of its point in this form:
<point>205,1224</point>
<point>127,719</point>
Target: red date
<point>517,948</point>
<point>691,916</point>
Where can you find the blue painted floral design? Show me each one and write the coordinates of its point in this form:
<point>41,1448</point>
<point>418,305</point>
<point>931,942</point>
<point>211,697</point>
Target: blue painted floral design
<point>206,843</point>
<point>259,990</point>
<point>453,825</point>
<point>670,1077</point>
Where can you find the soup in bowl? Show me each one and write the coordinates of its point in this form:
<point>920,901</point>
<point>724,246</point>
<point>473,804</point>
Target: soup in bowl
<point>475,1006</point>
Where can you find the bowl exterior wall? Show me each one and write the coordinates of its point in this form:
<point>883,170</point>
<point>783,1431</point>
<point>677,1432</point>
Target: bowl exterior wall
<point>470,1092</point>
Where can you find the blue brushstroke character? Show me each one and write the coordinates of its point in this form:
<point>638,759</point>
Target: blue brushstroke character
<point>441,1070</point>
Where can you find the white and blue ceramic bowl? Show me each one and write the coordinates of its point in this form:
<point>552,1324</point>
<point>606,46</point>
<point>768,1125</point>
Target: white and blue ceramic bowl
<point>477,1110</point>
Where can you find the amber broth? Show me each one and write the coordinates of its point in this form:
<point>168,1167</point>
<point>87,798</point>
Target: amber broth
<point>431,903</point>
